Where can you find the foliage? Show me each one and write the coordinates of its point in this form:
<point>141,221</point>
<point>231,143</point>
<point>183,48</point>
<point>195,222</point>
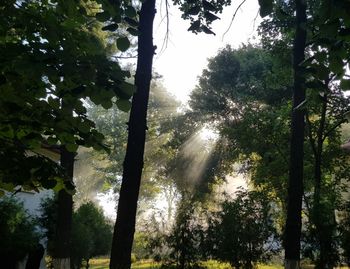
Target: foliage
<point>91,231</point>
<point>91,234</point>
<point>201,13</point>
<point>345,232</point>
<point>18,232</point>
<point>45,75</point>
<point>186,237</point>
<point>242,232</point>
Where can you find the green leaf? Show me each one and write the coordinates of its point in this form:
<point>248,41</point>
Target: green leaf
<point>104,16</point>
<point>195,26</point>
<point>131,22</point>
<point>123,43</point>
<point>123,105</point>
<point>194,10</point>
<point>112,27</point>
<point>128,88</point>
<point>72,147</point>
<point>130,12</point>
<point>49,184</point>
<point>210,17</point>
<point>208,6</point>
<point>133,31</point>
<point>207,30</point>
<point>266,7</point>
<point>345,84</point>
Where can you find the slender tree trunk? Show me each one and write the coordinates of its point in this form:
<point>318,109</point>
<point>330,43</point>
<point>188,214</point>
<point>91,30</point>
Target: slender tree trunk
<point>133,163</point>
<point>323,217</point>
<point>61,256</point>
<point>296,188</point>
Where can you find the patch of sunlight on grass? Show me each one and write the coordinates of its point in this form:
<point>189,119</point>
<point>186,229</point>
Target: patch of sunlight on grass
<point>101,263</point>
<point>270,266</point>
<point>211,264</point>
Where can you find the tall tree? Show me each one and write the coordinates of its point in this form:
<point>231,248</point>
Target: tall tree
<point>296,187</point>
<point>132,169</point>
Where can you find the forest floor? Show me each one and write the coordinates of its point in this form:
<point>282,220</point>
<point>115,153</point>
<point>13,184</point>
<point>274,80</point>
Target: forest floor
<point>104,264</point>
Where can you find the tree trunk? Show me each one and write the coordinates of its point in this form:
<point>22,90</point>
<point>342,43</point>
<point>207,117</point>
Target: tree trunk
<point>133,163</point>
<point>295,188</point>
<point>61,255</point>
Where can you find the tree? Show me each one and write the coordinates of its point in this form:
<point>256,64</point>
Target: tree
<point>295,182</point>
<point>242,231</point>
<point>18,233</point>
<point>186,236</point>
<point>60,62</point>
<point>92,234</point>
<point>133,163</point>
<point>91,231</point>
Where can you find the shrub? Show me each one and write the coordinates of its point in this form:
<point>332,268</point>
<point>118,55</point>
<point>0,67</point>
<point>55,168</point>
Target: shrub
<point>18,233</point>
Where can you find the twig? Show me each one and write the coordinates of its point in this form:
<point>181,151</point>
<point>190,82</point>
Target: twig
<point>233,17</point>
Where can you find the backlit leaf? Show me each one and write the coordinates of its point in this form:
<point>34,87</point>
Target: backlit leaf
<point>123,43</point>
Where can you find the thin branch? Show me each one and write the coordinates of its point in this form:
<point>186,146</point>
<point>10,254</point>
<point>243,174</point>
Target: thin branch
<point>125,57</point>
<point>333,128</point>
<point>233,17</point>
<point>256,17</point>
<point>311,139</point>
<point>166,37</point>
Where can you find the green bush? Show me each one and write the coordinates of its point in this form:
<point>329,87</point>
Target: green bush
<point>18,233</point>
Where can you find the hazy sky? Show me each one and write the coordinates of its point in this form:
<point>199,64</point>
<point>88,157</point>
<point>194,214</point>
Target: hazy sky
<point>186,54</point>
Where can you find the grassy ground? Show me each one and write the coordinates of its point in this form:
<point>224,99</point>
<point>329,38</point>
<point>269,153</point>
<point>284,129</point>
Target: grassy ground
<point>104,264</point>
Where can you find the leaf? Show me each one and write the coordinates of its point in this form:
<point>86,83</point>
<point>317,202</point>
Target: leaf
<point>195,26</point>
<point>133,31</point>
<point>112,27</point>
<point>128,88</point>
<point>130,12</point>
<point>208,6</point>
<point>345,84</point>
<point>131,22</point>
<point>210,17</point>
<point>72,147</point>
<point>266,7</point>
<point>123,105</point>
<point>104,16</point>
<point>49,183</point>
<point>207,30</point>
<point>194,10</point>
<point>123,43</point>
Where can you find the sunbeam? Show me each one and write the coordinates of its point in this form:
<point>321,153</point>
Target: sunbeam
<point>196,152</point>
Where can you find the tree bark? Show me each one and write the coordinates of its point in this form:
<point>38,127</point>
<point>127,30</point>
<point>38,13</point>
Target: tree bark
<point>61,255</point>
<point>296,188</point>
<point>133,163</point>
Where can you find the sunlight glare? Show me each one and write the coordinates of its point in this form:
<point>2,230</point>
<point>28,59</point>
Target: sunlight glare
<point>197,150</point>
<point>207,133</point>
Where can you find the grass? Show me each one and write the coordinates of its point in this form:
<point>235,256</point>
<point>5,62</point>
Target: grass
<point>211,264</point>
<point>103,263</point>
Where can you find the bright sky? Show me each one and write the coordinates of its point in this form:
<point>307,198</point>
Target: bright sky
<point>186,54</point>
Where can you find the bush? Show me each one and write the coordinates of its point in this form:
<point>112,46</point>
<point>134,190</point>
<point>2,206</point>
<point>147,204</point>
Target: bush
<point>242,233</point>
<point>18,233</point>
<point>91,231</point>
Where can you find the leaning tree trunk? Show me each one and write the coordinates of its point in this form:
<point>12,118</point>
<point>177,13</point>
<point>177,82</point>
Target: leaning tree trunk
<point>133,163</point>
<point>295,189</point>
<point>61,255</point>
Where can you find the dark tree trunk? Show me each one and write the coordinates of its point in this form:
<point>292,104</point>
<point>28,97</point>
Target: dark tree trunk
<point>295,188</point>
<point>61,255</point>
<point>35,257</point>
<point>323,216</point>
<point>133,163</point>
